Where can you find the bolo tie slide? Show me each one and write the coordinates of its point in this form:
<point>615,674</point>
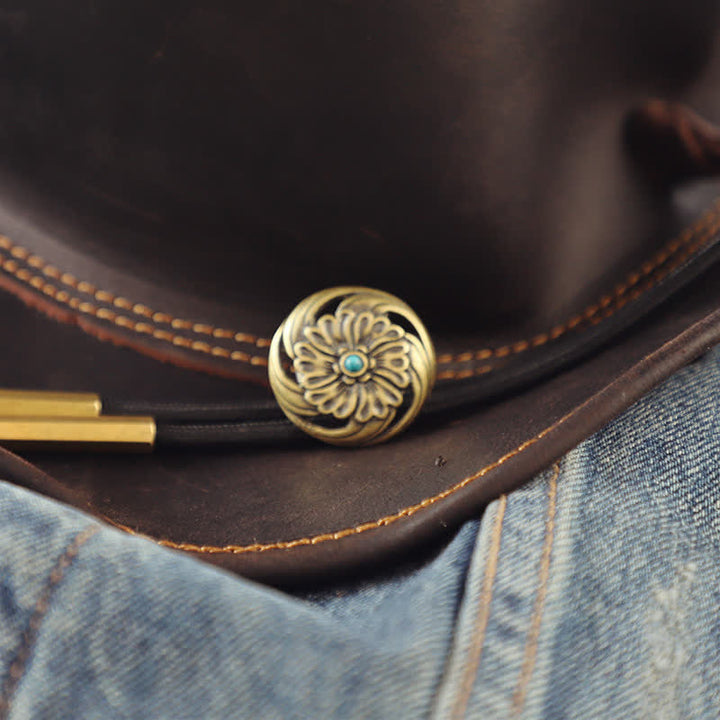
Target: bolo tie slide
<point>350,366</point>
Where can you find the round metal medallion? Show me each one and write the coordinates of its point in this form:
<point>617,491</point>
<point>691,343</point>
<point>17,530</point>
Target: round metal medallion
<point>352,365</point>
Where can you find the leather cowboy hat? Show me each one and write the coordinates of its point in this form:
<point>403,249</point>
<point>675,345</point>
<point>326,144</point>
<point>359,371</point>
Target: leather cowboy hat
<point>177,177</point>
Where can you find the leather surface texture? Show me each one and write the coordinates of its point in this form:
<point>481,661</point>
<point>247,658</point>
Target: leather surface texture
<point>176,176</point>
<point>298,512</point>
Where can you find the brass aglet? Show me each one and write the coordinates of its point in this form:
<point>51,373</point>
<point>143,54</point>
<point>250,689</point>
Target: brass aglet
<point>40,403</point>
<point>68,421</point>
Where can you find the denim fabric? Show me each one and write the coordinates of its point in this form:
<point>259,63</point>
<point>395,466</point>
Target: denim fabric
<point>592,592</point>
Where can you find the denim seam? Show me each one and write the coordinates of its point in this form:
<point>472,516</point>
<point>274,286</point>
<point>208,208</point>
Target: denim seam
<point>533,636</point>
<point>482,616</point>
<point>29,637</point>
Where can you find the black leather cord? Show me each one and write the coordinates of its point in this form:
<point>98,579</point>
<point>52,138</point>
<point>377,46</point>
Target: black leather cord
<point>263,422</point>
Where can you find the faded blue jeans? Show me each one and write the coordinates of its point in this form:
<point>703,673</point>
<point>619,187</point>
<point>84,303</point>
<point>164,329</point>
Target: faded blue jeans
<point>592,592</point>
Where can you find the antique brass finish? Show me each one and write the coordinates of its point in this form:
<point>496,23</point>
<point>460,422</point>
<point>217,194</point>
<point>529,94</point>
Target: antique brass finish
<point>352,366</point>
<point>106,432</point>
<point>40,403</point>
<point>68,421</point>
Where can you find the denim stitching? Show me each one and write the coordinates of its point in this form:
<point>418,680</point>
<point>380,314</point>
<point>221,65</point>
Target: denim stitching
<point>533,636</point>
<point>482,616</point>
<point>20,664</point>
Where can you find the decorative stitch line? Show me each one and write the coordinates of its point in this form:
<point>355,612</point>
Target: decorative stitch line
<point>483,615</point>
<point>102,313</point>
<point>606,306</point>
<point>103,296</point>
<point>645,270</point>
<point>533,636</point>
<point>19,664</point>
<point>364,527</point>
<point>358,529</point>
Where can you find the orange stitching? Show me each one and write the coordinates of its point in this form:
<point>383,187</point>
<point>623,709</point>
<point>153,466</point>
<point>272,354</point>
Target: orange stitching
<point>531,646</point>
<point>646,269</point>
<point>17,668</point>
<point>104,296</point>
<point>364,527</point>
<point>358,529</point>
<point>604,309</point>
<point>589,314</point>
<point>483,614</point>
<point>462,374</point>
<point>143,328</point>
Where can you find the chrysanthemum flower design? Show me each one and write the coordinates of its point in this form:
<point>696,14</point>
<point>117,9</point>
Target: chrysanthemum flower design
<point>353,365</point>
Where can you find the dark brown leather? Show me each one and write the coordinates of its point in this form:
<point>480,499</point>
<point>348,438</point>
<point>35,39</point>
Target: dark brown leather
<point>301,512</point>
<point>672,143</point>
<point>294,514</point>
<point>460,156</point>
<point>175,176</point>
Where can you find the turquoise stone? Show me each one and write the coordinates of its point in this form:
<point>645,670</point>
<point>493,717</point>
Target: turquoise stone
<point>353,363</point>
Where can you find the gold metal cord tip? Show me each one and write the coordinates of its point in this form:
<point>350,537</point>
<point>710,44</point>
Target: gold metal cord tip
<point>39,420</point>
<point>40,403</point>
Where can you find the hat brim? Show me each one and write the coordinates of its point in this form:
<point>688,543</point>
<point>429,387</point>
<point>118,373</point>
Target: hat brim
<point>300,511</point>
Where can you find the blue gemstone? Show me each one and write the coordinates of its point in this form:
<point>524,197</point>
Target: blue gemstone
<point>353,363</point>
